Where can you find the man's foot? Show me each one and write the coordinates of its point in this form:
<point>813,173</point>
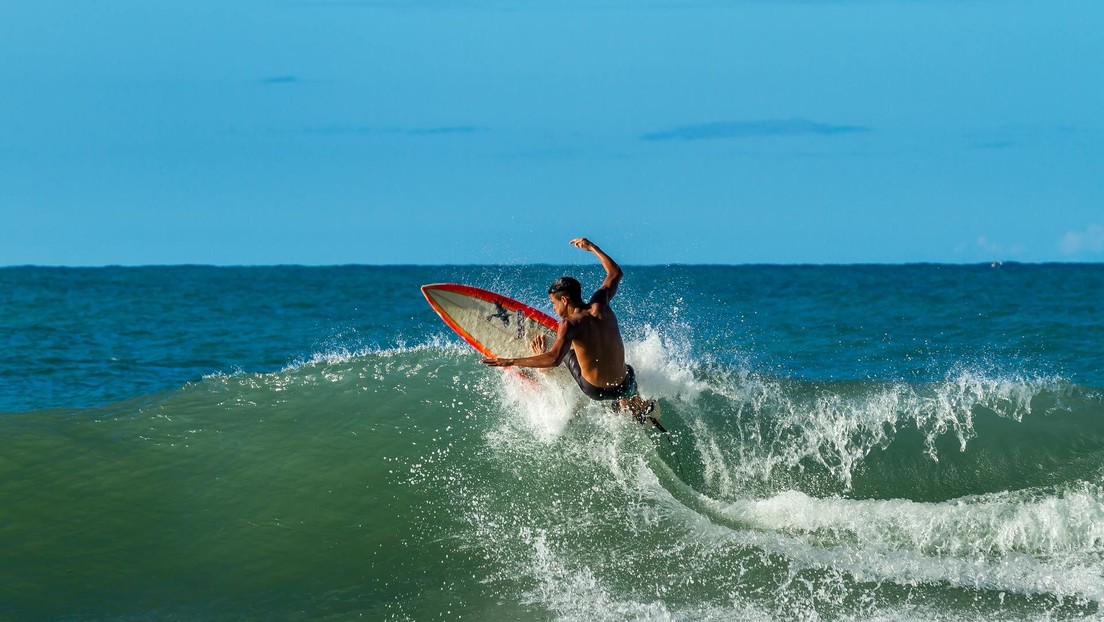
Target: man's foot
<point>637,406</point>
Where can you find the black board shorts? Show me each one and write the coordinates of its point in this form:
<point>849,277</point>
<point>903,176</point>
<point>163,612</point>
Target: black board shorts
<point>627,388</point>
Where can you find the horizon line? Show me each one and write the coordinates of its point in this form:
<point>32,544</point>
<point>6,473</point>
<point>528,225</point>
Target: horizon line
<point>993,263</point>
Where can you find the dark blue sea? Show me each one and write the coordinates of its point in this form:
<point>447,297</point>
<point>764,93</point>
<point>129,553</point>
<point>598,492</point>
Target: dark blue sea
<point>312,443</point>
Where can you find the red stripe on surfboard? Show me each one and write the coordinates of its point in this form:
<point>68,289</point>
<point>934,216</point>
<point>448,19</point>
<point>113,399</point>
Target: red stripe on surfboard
<point>488,296</point>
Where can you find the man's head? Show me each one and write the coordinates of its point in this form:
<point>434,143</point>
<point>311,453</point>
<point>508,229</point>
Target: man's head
<point>563,292</point>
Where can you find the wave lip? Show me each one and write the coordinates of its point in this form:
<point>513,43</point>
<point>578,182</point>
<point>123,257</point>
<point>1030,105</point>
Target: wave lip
<point>1050,547</point>
<point>1052,525</point>
<point>969,434</point>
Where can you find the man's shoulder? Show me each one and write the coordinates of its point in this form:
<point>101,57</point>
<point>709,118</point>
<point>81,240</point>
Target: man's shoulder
<point>588,317</point>
<point>581,318</point>
<point>601,296</point>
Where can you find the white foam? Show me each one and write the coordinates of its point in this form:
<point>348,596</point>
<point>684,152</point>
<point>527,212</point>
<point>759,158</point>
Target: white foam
<point>848,545</point>
<point>339,355</point>
<point>1049,524</point>
<point>767,424</point>
<point>1035,542</point>
<point>577,594</point>
<point>543,402</point>
<point>832,551</point>
<point>664,365</point>
<point>1029,542</point>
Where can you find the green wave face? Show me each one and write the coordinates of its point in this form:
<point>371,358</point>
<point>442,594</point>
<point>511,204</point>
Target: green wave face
<point>414,483</point>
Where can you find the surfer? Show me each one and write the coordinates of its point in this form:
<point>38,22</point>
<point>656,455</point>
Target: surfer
<point>588,339</point>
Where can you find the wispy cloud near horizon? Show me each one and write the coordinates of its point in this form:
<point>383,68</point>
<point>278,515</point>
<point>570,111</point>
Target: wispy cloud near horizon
<point>1089,241</point>
<point>998,250</point>
<point>719,130</point>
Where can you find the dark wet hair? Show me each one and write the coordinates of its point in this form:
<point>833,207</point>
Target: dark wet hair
<point>568,286</point>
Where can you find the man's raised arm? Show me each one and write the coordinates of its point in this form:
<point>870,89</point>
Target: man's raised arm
<point>613,271</point>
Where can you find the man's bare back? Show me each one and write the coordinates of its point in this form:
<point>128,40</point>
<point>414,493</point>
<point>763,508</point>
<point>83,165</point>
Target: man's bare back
<point>596,339</point>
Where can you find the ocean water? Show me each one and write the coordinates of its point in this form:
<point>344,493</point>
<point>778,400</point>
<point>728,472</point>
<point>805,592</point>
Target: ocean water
<point>290,443</point>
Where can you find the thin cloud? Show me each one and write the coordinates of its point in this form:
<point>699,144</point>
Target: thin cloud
<point>994,140</point>
<point>999,250</point>
<point>718,130</point>
<point>440,130</point>
<point>444,129</point>
<point>994,145</point>
<point>1087,241</point>
<point>564,153</point>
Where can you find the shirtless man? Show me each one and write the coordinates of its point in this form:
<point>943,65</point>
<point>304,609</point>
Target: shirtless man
<point>588,339</point>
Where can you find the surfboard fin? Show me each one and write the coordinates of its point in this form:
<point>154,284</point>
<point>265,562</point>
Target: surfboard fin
<point>647,417</point>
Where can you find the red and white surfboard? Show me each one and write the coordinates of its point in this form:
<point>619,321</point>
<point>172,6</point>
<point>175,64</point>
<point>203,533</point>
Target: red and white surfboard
<point>495,325</point>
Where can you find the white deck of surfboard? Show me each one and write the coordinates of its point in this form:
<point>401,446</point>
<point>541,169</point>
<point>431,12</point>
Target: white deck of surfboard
<point>504,332</point>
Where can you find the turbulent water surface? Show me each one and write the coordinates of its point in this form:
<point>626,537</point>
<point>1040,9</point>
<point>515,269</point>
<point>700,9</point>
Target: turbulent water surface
<point>852,442</point>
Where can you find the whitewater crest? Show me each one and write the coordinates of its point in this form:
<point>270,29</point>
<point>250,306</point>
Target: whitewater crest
<point>749,428</point>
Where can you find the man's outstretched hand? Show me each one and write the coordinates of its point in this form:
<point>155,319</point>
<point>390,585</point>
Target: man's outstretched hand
<point>583,243</point>
<point>536,346</point>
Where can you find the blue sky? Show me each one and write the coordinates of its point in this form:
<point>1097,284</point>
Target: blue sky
<point>323,132</point>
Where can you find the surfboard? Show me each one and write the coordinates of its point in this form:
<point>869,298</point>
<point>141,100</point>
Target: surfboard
<point>499,326</point>
<point>495,325</point>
